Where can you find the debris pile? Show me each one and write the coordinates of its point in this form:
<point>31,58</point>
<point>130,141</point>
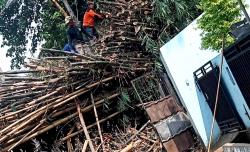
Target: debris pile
<point>52,89</point>
<point>126,27</point>
<point>79,100</point>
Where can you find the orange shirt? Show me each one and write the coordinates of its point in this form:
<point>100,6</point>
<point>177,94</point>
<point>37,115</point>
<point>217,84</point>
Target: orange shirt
<point>88,18</point>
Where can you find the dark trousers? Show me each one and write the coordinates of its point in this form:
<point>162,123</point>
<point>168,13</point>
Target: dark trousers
<point>91,32</point>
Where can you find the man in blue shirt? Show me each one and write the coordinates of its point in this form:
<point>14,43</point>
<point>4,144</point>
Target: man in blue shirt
<point>73,34</point>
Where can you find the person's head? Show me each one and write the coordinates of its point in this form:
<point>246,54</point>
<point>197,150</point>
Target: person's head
<point>69,20</point>
<point>91,5</point>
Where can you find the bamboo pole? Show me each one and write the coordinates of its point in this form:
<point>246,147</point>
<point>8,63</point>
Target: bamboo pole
<point>152,147</point>
<point>97,122</point>
<point>90,126</point>
<point>70,11</point>
<point>140,130</point>
<point>60,8</point>
<point>67,53</point>
<point>68,118</point>
<point>69,145</point>
<point>21,120</point>
<point>46,96</point>
<point>132,145</point>
<point>34,129</point>
<point>84,127</point>
<point>18,72</point>
<point>21,126</point>
<point>84,148</point>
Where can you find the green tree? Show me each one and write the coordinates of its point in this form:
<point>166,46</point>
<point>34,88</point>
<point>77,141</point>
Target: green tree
<point>23,21</point>
<point>172,16</point>
<point>36,21</point>
<point>176,13</point>
<point>2,2</point>
<point>215,23</point>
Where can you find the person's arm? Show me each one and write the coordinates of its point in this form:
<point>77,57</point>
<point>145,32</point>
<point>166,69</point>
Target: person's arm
<point>93,13</point>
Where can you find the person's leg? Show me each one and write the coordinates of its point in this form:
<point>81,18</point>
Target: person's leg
<point>72,46</point>
<point>84,34</point>
<point>95,33</point>
<point>89,32</point>
<point>66,48</point>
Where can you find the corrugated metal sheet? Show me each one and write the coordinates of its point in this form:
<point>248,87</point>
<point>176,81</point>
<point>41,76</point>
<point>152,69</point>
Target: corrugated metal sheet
<point>172,126</point>
<point>162,109</point>
<point>180,142</point>
<point>231,147</point>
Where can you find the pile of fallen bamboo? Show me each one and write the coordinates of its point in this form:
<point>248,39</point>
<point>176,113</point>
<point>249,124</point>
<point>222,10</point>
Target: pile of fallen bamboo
<point>57,89</point>
<point>129,139</point>
<point>126,24</point>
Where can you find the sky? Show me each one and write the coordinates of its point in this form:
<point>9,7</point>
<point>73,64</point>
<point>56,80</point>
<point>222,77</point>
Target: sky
<point>4,61</point>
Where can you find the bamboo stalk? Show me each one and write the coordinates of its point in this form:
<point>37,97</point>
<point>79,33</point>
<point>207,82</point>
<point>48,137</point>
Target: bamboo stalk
<point>132,145</point>
<point>16,144</point>
<point>70,11</point>
<point>18,72</point>
<point>84,148</point>
<point>20,120</point>
<point>66,53</point>
<point>143,137</point>
<point>84,127</point>
<point>97,121</point>
<point>59,122</point>
<point>21,126</point>
<point>140,130</point>
<point>24,109</point>
<point>69,145</point>
<point>151,148</point>
<point>46,96</point>
<point>90,126</point>
<point>60,8</point>
<point>82,91</point>
<point>111,3</point>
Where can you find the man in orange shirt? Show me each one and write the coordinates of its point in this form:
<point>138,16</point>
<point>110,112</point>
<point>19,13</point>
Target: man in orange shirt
<point>89,21</point>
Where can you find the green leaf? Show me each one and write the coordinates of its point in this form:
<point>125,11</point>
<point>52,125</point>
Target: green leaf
<point>215,23</point>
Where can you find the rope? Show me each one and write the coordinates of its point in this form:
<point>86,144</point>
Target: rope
<point>217,96</point>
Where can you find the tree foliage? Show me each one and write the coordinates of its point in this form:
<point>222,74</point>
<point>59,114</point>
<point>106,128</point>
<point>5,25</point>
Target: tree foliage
<point>172,16</point>
<point>215,23</point>
<point>24,24</point>
<point>2,2</point>
<point>176,13</point>
<point>16,28</point>
<point>53,28</point>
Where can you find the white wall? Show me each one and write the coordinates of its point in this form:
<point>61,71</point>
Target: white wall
<point>182,56</point>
